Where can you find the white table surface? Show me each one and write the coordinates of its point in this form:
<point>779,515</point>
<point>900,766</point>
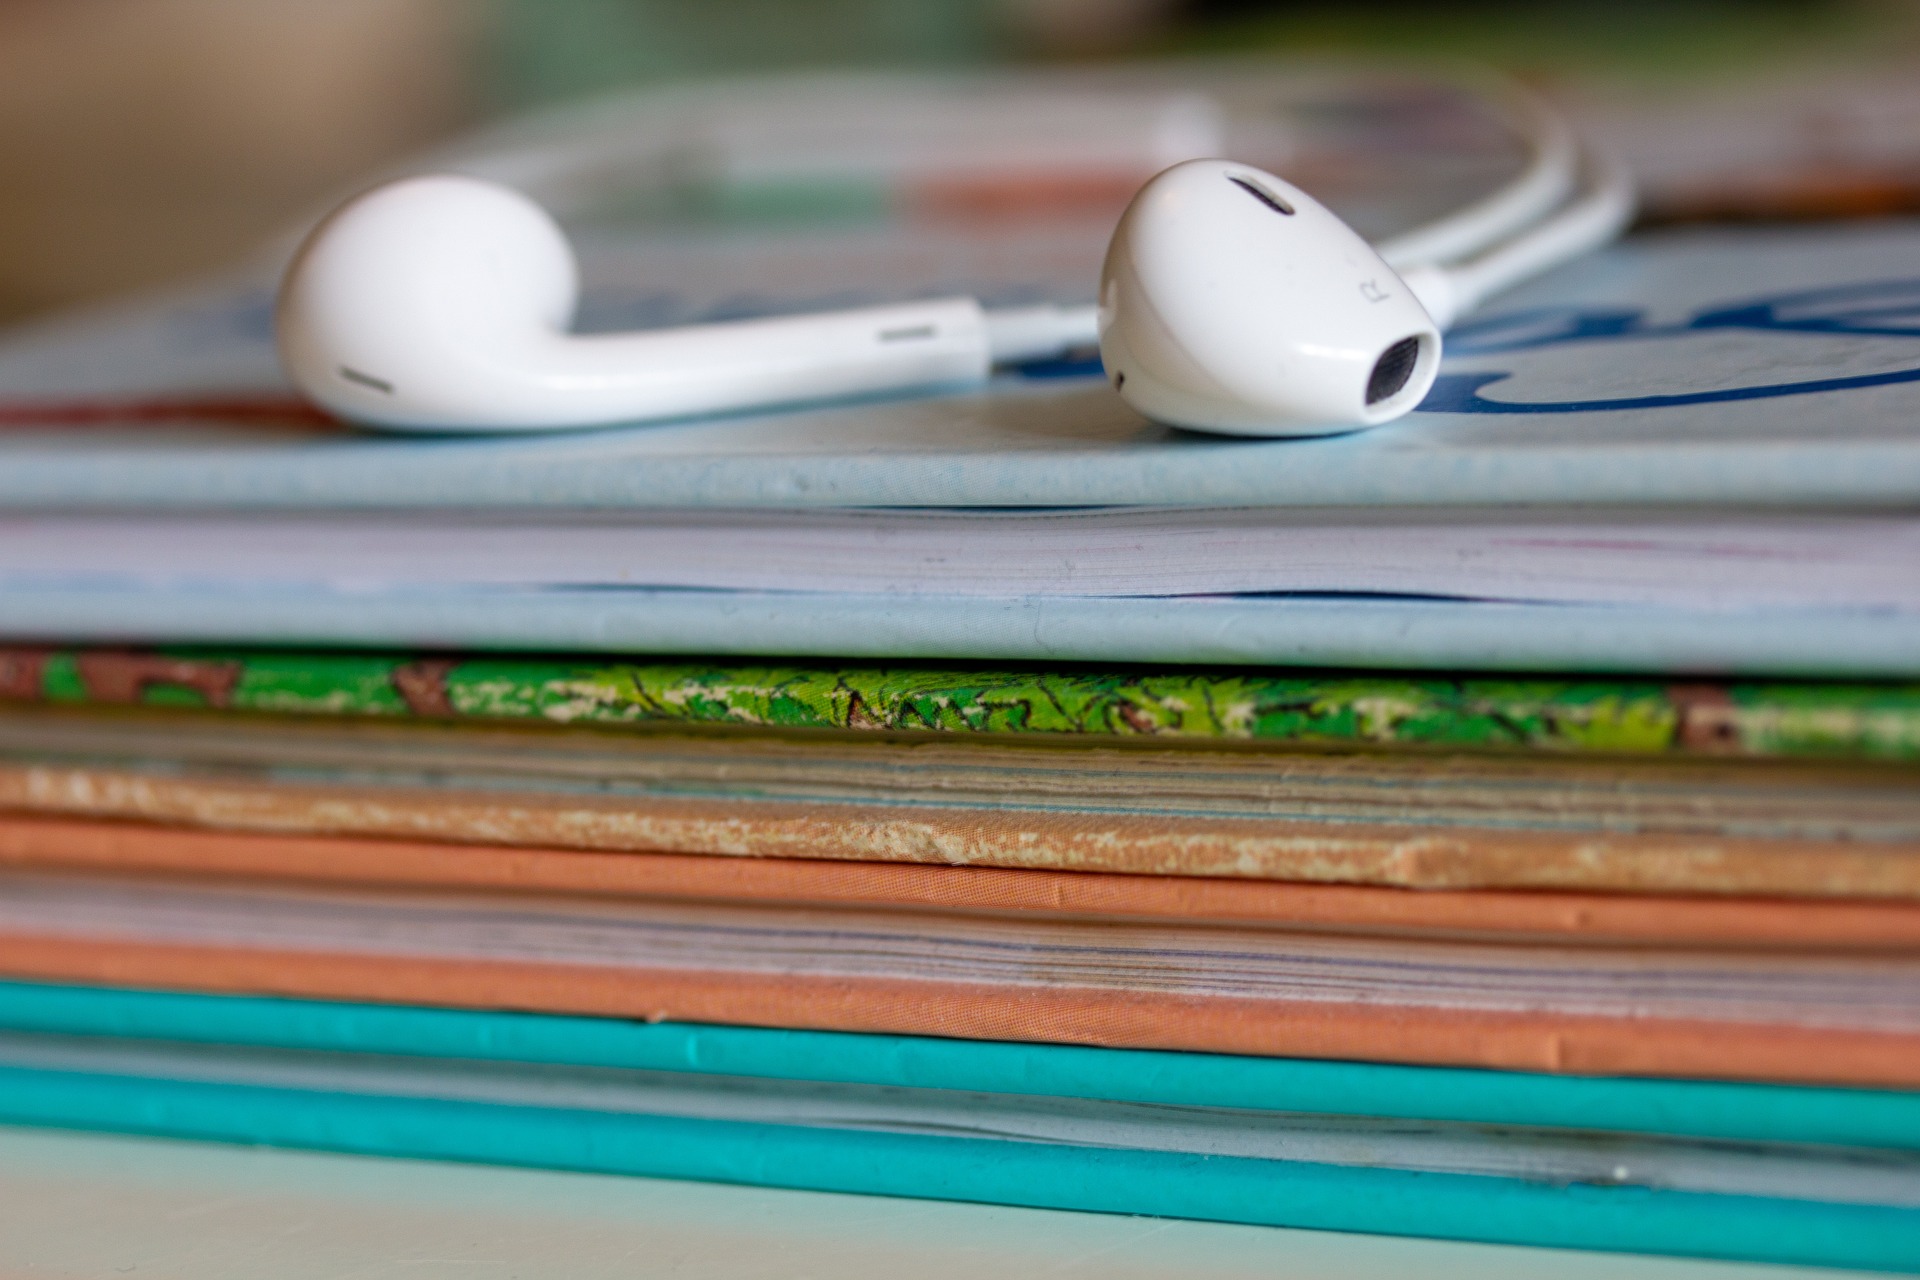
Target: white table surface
<point>84,1205</point>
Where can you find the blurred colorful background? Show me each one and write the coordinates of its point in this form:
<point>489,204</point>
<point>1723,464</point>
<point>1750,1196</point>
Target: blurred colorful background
<point>144,140</point>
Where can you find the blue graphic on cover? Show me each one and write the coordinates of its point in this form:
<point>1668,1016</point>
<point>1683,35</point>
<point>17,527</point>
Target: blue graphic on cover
<point>1888,309</point>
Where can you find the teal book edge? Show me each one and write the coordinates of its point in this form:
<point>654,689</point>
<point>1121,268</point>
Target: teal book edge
<point>1029,1174</point>
<point>1675,1108</point>
<point>1161,1183</point>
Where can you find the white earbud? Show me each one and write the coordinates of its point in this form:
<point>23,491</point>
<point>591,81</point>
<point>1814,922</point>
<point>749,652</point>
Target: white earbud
<point>1230,302</point>
<point>442,304</point>
<point>1234,302</point>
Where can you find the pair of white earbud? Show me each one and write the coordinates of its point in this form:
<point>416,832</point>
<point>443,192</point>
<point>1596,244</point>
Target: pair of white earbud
<point>1230,301</point>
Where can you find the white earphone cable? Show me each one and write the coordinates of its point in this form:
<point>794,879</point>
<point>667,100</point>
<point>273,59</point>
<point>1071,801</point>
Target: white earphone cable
<point>1548,180</point>
<point>1539,219</point>
<point>1532,222</point>
<point>1016,335</point>
<point>1600,214</point>
<point>1595,217</point>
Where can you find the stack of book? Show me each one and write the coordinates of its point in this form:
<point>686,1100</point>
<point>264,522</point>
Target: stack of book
<point>1500,825</point>
<point>1607,963</point>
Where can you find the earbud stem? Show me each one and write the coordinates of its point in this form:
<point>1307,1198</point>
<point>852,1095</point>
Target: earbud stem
<point>752,364</point>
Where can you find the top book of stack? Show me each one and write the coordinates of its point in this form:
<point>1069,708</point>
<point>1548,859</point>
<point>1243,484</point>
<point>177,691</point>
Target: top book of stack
<point>1715,368</point>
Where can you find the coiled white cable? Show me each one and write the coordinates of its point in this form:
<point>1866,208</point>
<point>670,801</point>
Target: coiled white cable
<point>1593,218</point>
<point>1544,183</point>
<point>1543,216</point>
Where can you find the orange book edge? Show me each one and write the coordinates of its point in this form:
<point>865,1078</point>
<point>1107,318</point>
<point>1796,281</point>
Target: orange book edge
<point>1581,1044</point>
<point>1714,922</point>
<point>1404,1033</point>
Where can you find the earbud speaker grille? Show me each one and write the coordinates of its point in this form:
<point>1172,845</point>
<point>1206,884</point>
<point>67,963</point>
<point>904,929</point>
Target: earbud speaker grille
<point>1392,369</point>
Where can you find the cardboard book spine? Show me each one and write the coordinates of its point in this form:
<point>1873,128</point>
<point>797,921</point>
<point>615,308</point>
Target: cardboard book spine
<point>1454,856</point>
<point>1845,926</point>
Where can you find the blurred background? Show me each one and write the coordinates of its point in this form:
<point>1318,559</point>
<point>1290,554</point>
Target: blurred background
<point>145,140</point>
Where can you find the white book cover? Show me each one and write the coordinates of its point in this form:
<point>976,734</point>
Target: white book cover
<point>1590,556</point>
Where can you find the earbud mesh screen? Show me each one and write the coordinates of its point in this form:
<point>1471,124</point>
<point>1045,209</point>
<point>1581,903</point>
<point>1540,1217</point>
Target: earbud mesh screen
<point>1392,369</point>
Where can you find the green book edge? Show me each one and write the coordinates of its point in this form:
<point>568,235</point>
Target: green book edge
<point>1758,719</point>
